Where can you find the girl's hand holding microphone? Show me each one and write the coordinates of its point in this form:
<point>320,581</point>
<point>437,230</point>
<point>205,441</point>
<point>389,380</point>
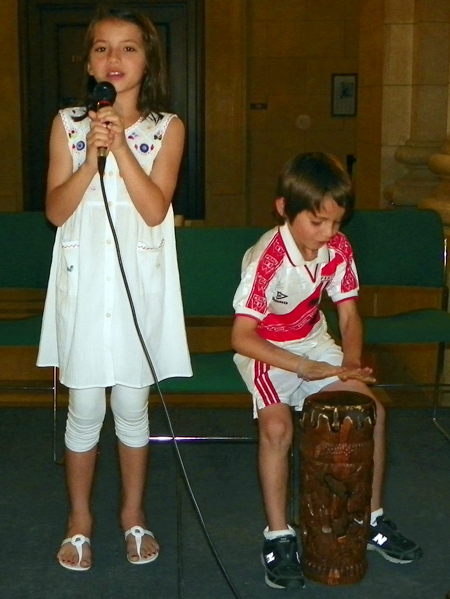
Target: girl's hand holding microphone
<point>98,140</point>
<point>107,129</point>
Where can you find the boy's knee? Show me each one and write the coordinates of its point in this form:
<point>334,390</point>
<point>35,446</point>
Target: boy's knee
<point>379,408</point>
<point>275,429</point>
<point>381,413</point>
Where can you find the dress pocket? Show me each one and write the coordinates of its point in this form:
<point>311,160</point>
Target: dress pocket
<point>150,267</point>
<point>69,266</point>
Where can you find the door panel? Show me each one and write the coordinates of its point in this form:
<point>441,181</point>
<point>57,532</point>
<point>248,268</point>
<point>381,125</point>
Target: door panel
<point>52,69</point>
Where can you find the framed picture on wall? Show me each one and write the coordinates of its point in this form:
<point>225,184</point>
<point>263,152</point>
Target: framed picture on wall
<point>344,94</point>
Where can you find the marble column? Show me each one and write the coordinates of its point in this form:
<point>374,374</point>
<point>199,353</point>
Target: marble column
<point>403,157</point>
<point>439,163</point>
<point>439,200</point>
<point>439,197</point>
<point>428,90</point>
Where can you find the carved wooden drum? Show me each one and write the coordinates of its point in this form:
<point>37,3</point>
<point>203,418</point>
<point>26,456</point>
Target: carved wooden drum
<point>336,485</point>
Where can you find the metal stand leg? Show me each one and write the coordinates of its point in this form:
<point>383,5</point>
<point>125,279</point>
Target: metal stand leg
<point>436,422</point>
<point>439,372</point>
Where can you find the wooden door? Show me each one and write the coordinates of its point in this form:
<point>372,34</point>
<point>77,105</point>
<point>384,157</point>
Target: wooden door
<point>52,36</point>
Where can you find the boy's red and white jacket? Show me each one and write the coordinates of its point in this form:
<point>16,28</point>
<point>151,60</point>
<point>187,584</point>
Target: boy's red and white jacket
<point>283,291</point>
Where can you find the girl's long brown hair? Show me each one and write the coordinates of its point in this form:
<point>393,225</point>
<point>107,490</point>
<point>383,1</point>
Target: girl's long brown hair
<point>153,94</point>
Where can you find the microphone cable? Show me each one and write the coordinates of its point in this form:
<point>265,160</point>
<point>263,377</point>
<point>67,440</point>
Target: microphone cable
<point>101,165</point>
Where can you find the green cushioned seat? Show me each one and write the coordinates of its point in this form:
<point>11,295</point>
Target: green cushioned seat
<point>213,373</point>
<point>417,326</point>
<point>210,260</point>
<point>26,246</point>
<point>20,333</point>
<point>398,247</point>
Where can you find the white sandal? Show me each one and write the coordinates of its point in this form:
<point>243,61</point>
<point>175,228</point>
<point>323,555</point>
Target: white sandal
<point>138,532</point>
<point>77,541</point>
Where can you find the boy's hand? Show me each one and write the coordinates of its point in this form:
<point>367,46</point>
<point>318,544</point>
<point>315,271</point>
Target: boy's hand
<point>358,374</point>
<point>311,370</point>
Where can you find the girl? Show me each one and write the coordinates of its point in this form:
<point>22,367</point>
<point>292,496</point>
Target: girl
<point>88,330</point>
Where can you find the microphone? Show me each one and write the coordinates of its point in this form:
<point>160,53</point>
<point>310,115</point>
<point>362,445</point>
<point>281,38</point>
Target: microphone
<point>103,94</point>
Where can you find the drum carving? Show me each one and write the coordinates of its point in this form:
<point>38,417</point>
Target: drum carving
<point>336,481</point>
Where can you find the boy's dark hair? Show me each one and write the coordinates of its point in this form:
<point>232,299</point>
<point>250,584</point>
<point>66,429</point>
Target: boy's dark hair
<point>306,179</point>
<point>153,95</point>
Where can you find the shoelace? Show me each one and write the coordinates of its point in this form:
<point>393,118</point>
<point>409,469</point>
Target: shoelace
<point>394,534</point>
<point>286,554</point>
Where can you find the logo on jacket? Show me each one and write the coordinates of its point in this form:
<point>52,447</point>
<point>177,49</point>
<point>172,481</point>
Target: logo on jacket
<point>280,297</point>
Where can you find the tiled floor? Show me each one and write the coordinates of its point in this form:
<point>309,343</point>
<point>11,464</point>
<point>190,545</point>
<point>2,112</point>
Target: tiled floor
<point>225,483</point>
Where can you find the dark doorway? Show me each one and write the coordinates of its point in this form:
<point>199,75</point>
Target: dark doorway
<point>51,40</point>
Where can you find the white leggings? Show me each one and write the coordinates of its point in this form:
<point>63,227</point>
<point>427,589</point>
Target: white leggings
<point>87,409</point>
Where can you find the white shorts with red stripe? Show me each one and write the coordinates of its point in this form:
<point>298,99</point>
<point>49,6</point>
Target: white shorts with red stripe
<point>269,385</point>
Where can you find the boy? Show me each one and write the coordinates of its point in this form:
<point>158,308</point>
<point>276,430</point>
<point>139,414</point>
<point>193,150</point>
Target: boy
<point>284,352</point>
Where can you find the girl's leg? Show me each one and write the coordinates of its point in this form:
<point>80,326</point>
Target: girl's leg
<point>378,438</point>
<point>275,437</point>
<point>86,414</point>
<point>130,409</point>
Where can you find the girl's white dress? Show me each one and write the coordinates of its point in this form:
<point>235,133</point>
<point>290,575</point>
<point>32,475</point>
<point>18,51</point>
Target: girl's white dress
<point>88,329</point>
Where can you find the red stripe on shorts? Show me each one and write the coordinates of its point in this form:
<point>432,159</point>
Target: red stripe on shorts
<point>264,385</point>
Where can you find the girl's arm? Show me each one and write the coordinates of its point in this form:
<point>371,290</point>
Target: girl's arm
<point>246,341</point>
<point>65,188</point>
<point>151,194</point>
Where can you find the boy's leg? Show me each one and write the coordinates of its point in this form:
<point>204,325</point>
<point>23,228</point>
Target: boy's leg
<point>384,536</point>
<point>273,390</point>
<point>275,437</point>
<point>280,554</point>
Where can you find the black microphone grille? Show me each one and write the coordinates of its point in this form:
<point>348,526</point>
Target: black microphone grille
<point>104,91</point>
